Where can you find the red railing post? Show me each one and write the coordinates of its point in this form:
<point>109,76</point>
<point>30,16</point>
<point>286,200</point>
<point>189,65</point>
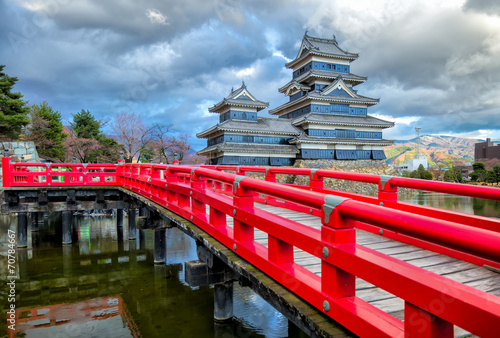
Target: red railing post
<point>335,282</point>
<point>242,198</point>
<point>422,324</point>
<point>270,176</point>
<point>387,192</point>
<point>6,172</point>
<point>198,186</point>
<point>315,181</point>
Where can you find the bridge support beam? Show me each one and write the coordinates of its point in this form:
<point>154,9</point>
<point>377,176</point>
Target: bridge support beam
<point>132,233</point>
<point>119,217</point>
<point>142,211</point>
<point>160,246</point>
<point>67,227</point>
<point>22,230</point>
<point>223,302</point>
<point>34,221</point>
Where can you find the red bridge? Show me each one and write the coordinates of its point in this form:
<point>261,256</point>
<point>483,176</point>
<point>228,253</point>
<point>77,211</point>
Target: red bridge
<point>340,252</point>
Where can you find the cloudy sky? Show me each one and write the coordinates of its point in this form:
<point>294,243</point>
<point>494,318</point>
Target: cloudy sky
<point>433,64</point>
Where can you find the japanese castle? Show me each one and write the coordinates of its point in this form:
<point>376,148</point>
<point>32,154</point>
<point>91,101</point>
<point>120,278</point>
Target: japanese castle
<point>325,117</point>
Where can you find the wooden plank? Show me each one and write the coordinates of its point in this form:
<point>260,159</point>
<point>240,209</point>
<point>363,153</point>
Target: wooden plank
<point>398,250</point>
<point>490,285</point>
<point>385,245</point>
<point>471,275</point>
<point>374,294</point>
<point>389,305</point>
<point>429,261</point>
<point>420,253</point>
<point>454,266</point>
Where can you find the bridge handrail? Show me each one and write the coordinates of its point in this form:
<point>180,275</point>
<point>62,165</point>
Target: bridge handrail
<point>433,301</point>
<point>24,174</point>
<point>388,184</point>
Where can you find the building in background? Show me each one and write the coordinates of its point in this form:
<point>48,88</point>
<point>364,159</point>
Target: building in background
<point>325,117</point>
<point>486,151</point>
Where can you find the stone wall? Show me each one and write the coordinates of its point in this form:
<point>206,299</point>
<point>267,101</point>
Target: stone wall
<point>18,149</point>
<point>360,166</point>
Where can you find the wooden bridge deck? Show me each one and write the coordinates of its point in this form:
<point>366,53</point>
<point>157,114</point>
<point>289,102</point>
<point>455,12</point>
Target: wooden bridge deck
<point>472,275</point>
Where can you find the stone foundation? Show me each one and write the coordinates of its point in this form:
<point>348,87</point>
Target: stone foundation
<point>376,167</point>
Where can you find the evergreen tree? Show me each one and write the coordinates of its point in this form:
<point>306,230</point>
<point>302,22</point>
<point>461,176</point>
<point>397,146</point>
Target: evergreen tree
<point>496,169</point>
<point>85,125</point>
<point>479,173</point>
<point>46,131</point>
<point>13,110</point>
<point>490,176</point>
<point>88,143</point>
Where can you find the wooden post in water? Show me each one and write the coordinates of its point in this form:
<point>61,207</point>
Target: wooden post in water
<point>22,230</point>
<point>34,221</point>
<point>119,217</point>
<point>223,302</point>
<point>160,248</point>
<point>67,227</point>
<point>131,224</point>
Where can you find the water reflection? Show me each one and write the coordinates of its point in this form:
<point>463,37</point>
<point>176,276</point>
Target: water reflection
<point>106,315</point>
<point>469,205</point>
<point>104,267</point>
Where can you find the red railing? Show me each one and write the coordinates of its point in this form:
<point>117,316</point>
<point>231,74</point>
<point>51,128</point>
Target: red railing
<point>23,174</point>
<point>432,303</point>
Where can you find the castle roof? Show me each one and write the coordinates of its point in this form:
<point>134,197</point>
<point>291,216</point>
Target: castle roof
<point>263,125</point>
<point>294,85</point>
<point>342,120</point>
<point>240,97</point>
<point>255,148</point>
<point>324,74</point>
<point>321,47</point>
<point>303,138</point>
<point>337,92</point>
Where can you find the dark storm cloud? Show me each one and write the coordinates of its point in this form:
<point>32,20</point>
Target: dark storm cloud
<point>485,6</point>
<point>171,60</point>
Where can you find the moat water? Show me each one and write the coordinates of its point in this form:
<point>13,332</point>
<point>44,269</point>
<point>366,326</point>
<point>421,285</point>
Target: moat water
<point>105,285</point>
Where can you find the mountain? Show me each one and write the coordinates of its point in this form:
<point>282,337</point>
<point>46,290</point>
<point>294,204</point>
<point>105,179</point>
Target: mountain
<point>437,148</point>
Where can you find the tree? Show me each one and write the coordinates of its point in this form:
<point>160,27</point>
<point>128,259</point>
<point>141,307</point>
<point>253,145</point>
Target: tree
<point>449,176</point>
<point>88,143</point>
<point>479,173</point>
<point>13,110</point>
<point>79,147</point>
<point>136,137</point>
<point>453,174</point>
<point>46,131</point>
<point>478,166</point>
<point>490,176</point>
<point>496,169</point>
<point>85,125</point>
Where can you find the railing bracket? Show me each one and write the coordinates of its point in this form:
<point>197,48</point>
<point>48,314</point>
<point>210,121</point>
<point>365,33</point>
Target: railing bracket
<point>384,179</point>
<point>331,202</point>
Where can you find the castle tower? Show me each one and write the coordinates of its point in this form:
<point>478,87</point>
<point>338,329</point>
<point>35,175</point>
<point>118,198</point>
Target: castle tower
<point>325,106</point>
<point>243,138</point>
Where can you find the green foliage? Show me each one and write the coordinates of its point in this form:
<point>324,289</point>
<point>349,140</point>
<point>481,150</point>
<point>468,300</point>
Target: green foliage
<point>13,110</point>
<point>453,174</point>
<point>85,125</point>
<point>478,166</point>
<point>427,176</point>
<point>46,131</point>
<point>88,143</point>
<point>496,169</point>
<point>479,173</point>
<point>491,176</point>
<point>420,173</point>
